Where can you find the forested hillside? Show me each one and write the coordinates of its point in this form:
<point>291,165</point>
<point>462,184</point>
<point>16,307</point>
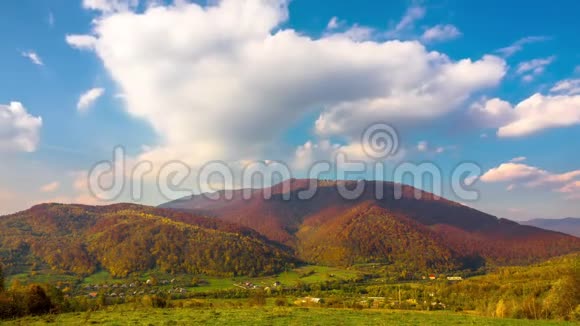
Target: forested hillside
<point>415,234</point>
<point>123,239</point>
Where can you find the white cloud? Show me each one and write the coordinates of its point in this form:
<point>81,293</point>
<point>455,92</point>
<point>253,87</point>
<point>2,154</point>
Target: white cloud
<point>519,45</point>
<point>422,146</point>
<point>324,150</point>
<point>568,86</point>
<point>86,42</point>
<point>532,115</point>
<point>493,113</point>
<point>407,22</point>
<point>19,131</point>
<point>540,112</point>
<point>531,69</point>
<point>522,175</point>
<point>356,33</point>
<point>441,33</point>
<point>222,82</point>
<point>333,23</point>
<point>33,57</point>
<point>88,98</point>
<point>51,187</point>
<point>518,159</point>
<point>109,6</point>
<point>430,85</point>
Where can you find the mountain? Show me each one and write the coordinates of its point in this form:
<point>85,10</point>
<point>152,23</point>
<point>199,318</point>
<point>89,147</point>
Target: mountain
<point>569,225</point>
<point>425,233</point>
<point>126,238</point>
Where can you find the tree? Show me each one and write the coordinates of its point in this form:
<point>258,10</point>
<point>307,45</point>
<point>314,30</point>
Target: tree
<point>38,302</point>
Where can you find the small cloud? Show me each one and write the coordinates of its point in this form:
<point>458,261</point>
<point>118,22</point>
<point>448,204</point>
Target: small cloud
<point>518,159</point>
<point>81,42</point>
<point>358,33</point>
<point>533,68</point>
<point>577,69</point>
<point>88,98</point>
<point>422,146</point>
<point>413,14</point>
<point>51,187</point>
<point>517,46</point>
<point>110,6</point>
<point>567,87</point>
<point>440,33</point>
<point>528,78</point>
<point>483,136</point>
<point>530,177</point>
<point>338,28</point>
<point>407,22</point>
<point>19,130</point>
<point>333,23</point>
<point>33,57</point>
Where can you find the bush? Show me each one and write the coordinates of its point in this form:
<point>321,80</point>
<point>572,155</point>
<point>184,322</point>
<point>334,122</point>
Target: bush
<point>155,301</point>
<point>7,307</point>
<point>38,302</point>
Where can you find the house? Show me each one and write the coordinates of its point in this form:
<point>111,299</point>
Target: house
<point>432,277</point>
<point>276,284</point>
<point>93,295</point>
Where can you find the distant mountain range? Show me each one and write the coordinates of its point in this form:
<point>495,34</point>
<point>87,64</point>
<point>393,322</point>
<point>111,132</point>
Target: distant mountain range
<point>416,233</point>
<point>569,225</point>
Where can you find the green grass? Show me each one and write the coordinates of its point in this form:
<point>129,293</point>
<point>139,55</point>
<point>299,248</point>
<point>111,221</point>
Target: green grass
<point>125,315</point>
<point>289,278</point>
<point>41,277</point>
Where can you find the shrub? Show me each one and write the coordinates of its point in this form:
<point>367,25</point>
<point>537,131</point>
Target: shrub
<point>37,300</point>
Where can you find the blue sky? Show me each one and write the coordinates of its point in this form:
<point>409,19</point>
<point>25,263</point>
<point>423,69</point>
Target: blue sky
<point>186,82</point>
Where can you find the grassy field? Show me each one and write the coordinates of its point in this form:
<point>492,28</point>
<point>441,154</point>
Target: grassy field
<point>124,315</point>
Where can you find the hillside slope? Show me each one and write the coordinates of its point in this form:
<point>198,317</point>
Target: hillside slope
<point>328,228</point>
<point>125,238</point>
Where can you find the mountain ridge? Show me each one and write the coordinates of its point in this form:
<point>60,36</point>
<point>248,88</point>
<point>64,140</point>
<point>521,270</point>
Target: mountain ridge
<point>567,225</point>
<point>468,235</point>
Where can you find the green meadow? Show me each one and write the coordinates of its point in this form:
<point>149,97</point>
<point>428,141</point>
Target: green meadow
<point>268,315</point>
